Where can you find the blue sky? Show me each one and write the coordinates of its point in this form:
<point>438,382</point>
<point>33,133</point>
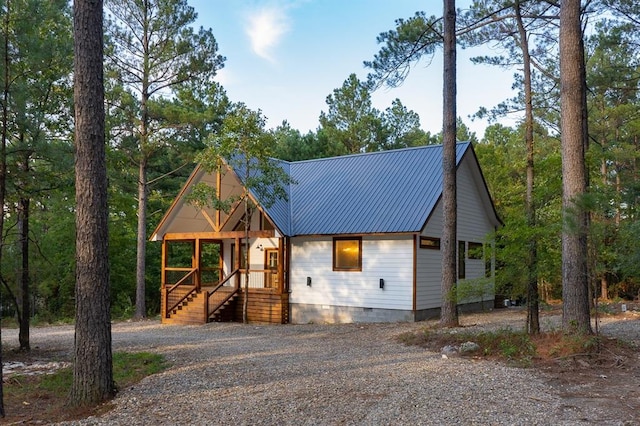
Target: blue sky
<point>285,57</point>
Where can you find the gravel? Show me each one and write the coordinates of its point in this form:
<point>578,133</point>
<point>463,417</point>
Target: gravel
<point>352,374</point>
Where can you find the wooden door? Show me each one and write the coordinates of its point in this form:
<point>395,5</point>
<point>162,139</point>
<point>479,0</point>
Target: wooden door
<point>271,266</point>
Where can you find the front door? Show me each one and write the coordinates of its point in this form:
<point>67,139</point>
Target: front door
<point>271,266</point>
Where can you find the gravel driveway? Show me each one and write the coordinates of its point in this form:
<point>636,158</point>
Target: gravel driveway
<point>226,373</point>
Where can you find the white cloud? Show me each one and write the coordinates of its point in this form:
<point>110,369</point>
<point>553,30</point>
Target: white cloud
<point>265,28</point>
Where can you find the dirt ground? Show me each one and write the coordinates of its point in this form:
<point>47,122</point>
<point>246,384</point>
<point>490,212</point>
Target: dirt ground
<point>610,378</point>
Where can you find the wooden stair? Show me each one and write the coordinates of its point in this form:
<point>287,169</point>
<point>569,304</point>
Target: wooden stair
<point>225,313</point>
<point>190,311</point>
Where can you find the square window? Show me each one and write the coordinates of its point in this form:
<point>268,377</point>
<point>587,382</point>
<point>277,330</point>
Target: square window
<point>476,250</point>
<point>347,254</point>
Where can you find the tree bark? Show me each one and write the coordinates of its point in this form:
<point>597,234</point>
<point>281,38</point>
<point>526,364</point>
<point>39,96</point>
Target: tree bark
<point>533,320</point>
<point>449,314</point>
<point>141,245</point>
<point>6,81</point>
<point>93,370</point>
<point>575,283</point>
<point>25,305</point>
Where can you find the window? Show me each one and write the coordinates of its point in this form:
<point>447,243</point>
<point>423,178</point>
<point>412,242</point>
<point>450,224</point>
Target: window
<point>461,258</point>
<point>180,254</point>
<point>475,250</point>
<point>431,243</point>
<point>347,254</point>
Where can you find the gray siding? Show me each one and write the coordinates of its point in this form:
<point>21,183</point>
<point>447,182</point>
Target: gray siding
<point>474,225</point>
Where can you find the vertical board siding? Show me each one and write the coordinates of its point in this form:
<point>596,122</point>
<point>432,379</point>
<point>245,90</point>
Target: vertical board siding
<point>389,258</point>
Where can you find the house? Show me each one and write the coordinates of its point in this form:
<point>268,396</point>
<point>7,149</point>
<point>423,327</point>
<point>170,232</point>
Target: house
<point>357,240</point>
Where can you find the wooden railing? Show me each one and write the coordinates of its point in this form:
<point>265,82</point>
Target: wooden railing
<point>260,278</point>
<point>236,286</point>
<point>193,289</point>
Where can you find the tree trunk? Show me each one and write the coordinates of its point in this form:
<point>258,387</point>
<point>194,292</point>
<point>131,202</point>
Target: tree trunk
<point>604,288</point>
<point>141,247</point>
<point>6,81</point>
<point>25,310</point>
<point>533,320</point>
<point>449,314</point>
<point>575,283</point>
<point>93,370</point>
<point>247,224</point>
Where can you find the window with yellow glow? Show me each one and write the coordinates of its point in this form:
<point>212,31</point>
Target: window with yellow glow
<point>347,254</point>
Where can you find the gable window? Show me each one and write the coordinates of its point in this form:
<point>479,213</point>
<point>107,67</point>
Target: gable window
<point>431,243</point>
<point>347,254</point>
<point>265,224</point>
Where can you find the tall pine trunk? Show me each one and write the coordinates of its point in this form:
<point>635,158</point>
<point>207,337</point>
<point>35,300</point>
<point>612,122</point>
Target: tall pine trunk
<point>6,81</point>
<point>575,282</point>
<point>449,314</point>
<point>25,305</point>
<point>533,320</point>
<point>141,238</point>
<point>93,369</point>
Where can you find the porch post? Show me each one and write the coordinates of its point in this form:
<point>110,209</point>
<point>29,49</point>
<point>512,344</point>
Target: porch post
<point>281,262</point>
<point>237,261</point>
<point>163,284</point>
<point>195,263</point>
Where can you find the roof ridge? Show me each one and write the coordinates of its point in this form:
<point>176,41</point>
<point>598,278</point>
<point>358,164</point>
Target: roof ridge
<point>362,154</point>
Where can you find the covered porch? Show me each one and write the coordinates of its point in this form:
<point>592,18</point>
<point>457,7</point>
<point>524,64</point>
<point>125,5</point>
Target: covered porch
<point>207,276</point>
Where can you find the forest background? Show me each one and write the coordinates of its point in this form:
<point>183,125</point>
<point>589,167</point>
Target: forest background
<point>164,107</point>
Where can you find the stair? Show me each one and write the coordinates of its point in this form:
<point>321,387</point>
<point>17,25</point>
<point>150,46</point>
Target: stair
<point>225,313</point>
<point>190,311</point>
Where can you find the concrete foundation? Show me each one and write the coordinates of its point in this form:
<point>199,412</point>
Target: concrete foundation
<point>328,314</point>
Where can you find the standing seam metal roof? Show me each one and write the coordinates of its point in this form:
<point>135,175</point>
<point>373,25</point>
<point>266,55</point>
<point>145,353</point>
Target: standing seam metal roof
<point>381,192</point>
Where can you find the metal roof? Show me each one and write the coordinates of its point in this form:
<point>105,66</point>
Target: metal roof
<point>382,192</point>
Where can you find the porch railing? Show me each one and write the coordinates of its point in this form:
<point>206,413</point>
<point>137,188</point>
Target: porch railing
<point>233,281</point>
<point>259,278</point>
<point>191,273</point>
<point>189,284</point>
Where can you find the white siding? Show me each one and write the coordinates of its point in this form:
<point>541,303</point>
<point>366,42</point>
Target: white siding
<point>256,254</point>
<point>473,225</point>
<point>388,258</point>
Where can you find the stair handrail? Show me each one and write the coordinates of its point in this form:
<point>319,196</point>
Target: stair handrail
<point>173,287</point>
<point>236,287</point>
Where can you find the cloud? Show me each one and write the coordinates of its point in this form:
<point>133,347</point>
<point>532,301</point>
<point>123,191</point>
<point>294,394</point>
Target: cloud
<point>265,28</point>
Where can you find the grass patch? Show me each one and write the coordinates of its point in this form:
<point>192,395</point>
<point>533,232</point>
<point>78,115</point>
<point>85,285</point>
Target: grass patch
<point>43,397</point>
<point>130,368</point>
<point>517,347</point>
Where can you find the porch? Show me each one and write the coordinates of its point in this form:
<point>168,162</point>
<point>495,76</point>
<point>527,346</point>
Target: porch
<point>198,285</point>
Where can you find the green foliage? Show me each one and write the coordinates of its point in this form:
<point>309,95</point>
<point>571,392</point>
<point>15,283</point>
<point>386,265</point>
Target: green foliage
<point>244,146</point>
<point>351,124</point>
<point>162,104</point>
<point>351,120</point>
<point>131,367</point>
<point>502,157</point>
<point>128,369</point>
<point>411,40</point>
<point>475,290</point>
<point>512,346</point>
